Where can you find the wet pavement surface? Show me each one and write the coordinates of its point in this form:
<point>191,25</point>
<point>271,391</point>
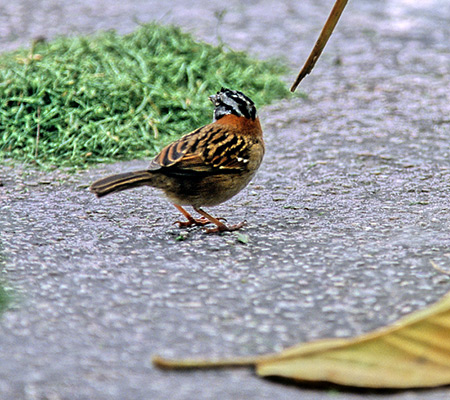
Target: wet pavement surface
<point>346,218</point>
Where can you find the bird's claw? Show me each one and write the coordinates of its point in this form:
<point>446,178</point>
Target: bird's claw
<point>225,228</point>
<point>193,222</point>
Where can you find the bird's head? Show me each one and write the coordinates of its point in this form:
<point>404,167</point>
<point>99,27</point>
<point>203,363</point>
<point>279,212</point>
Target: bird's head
<point>228,101</point>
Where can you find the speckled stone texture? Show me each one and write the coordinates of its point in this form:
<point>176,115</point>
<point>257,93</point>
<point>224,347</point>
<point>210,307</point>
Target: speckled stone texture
<point>345,219</point>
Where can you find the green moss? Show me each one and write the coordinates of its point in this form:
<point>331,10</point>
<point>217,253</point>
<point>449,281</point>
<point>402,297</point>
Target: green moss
<point>83,100</point>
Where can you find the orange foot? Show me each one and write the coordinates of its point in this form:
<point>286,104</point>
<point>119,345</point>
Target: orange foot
<point>193,222</point>
<point>220,226</point>
<point>225,228</point>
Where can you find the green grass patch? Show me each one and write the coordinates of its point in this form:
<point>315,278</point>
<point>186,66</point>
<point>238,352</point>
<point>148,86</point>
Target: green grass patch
<point>77,101</point>
<point>5,298</point>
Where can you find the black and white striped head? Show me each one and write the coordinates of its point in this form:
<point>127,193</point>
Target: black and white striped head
<point>228,101</point>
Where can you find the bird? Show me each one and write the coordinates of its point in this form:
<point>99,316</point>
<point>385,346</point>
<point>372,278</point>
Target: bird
<point>205,167</point>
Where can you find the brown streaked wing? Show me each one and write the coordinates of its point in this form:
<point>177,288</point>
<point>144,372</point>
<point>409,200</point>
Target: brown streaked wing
<point>210,148</point>
<point>231,153</point>
<point>174,152</point>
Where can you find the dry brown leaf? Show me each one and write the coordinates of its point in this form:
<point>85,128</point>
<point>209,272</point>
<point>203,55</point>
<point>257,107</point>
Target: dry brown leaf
<point>414,352</point>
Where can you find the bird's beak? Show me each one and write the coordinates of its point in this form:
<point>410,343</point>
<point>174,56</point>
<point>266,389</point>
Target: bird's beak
<point>213,98</point>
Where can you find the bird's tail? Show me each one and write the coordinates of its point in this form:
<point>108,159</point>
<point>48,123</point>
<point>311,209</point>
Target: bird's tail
<point>119,182</point>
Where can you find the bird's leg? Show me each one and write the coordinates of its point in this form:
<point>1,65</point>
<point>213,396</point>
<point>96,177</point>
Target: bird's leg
<point>190,219</point>
<point>220,226</point>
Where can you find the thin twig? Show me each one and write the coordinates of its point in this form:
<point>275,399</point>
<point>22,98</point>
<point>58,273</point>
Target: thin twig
<point>327,30</point>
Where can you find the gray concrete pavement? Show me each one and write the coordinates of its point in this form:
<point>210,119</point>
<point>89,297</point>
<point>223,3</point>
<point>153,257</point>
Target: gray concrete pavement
<point>349,209</point>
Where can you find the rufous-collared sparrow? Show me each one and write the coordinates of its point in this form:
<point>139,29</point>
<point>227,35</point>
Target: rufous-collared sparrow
<point>205,167</point>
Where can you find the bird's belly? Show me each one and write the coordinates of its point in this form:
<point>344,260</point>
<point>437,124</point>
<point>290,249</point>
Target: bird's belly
<point>208,190</point>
